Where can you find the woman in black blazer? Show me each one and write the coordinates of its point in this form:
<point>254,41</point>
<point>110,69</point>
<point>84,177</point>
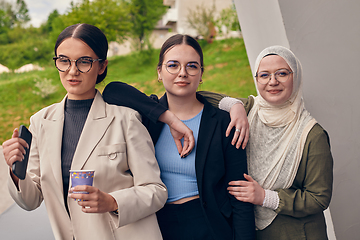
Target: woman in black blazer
<point>199,205</point>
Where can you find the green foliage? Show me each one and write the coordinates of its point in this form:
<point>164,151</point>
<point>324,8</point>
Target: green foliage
<point>118,19</point>
<point>48,26</point>
<point>228,19</point>
<point>13,14</point>
<point>226,70</point>
<point>17,54</point>
<point>21,13</point>
<point>144,17</point>
<point>111,16</point>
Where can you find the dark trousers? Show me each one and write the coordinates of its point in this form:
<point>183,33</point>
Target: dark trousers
<point>183,222</point>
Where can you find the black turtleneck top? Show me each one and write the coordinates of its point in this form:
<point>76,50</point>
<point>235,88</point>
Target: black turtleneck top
<point>76,112</point>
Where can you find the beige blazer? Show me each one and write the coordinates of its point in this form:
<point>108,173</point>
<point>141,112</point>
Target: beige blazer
<point>113,143</point>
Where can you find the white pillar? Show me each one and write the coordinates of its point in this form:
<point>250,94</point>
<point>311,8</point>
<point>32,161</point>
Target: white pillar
<point>325,36</point>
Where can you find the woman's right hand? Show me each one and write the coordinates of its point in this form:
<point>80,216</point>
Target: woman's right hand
<point>240,122</point>
<point>14,150</point>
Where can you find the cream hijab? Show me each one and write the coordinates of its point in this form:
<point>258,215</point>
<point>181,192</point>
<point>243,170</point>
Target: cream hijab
<point>277,136</point>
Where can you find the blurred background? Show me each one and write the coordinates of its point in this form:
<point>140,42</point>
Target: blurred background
<point>323,34</point>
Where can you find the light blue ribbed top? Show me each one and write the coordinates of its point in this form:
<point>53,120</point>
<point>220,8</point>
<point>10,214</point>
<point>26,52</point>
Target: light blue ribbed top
<point>178,174</point>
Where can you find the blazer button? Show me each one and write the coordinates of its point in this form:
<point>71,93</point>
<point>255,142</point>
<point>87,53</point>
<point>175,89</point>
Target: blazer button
<point>112,156</point>
<point>204,204</point>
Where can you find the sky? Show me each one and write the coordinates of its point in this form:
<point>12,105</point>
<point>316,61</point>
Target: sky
<point>39,10</point>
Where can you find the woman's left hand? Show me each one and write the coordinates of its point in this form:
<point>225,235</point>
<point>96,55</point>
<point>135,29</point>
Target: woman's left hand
<point>94,202</point>
<point>247,191</point>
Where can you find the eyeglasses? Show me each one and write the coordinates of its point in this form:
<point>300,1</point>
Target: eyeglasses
<point>281,75</point>
<point>174,67</point>
<point>82,64</point>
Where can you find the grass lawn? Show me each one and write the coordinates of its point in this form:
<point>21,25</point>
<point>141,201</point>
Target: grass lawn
<point>227,71</point>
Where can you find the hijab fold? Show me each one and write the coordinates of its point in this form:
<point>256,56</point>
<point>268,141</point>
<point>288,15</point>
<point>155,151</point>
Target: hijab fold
<point>279,133</point>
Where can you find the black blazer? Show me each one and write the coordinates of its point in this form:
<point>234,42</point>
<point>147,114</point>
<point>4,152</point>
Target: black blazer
<point>217,162</point>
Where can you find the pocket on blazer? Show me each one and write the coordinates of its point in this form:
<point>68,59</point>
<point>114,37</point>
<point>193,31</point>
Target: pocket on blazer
<point>112,151</point>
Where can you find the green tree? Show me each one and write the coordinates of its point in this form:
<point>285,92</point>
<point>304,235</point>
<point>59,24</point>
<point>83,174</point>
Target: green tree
<point>111,16</point>
<point>21,13</point>
<point>144,17</point>
<point>48,26</point>
<point>13,15</point>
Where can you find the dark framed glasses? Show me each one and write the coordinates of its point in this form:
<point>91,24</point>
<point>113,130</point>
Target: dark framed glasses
<point>82,64</point>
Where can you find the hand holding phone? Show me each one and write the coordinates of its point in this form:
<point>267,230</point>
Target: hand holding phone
<point>19,168</point>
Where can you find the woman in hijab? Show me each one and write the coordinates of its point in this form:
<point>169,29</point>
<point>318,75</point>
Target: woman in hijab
<point>289,159</point>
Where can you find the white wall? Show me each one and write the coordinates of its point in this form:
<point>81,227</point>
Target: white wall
<point>325,35</point>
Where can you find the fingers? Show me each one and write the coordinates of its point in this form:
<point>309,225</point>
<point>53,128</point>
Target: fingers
<point>246,138</point>
<point>179,146</point>
<point>241,134</point>
<point>248,177</point>
<point>15,133</point>
<point>94,201</point>
<point>81,192</point>
<point>14,150</point>
<point>238,183</point>
<point>230,126</point>
<point>189,144</point>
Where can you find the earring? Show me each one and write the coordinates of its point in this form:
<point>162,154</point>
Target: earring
<point>201,81</point>
<point>159,80</point>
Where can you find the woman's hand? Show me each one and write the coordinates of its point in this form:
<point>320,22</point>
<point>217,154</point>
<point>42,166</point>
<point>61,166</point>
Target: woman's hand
<point>179,131</point>
<point>247,191</point>
<point>240,122</point>
<point>14,150</point>
<point>94,202</point>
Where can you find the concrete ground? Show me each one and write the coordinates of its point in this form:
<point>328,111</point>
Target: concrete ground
<point>5,198</point>
<point>15,222</point>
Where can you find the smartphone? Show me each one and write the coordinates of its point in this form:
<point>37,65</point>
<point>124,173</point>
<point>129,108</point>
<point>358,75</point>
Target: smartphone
<point>19,168</point>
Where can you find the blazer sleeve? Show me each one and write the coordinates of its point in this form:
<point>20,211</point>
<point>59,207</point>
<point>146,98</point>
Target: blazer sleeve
<point>149,194</point>
<point>312,188</point>
<point>243,213</point>
<point>122,94</point>
<point>29,195</point>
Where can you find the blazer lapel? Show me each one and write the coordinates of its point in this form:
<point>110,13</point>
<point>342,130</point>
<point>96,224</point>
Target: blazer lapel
<point>51,140</point>
<point>95,127</point>
<point>207,127</point>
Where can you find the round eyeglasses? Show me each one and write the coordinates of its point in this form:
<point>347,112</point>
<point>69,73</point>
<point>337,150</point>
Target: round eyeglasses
<point>174,67</point>
<point>82,64</point>
<point>281,75</point>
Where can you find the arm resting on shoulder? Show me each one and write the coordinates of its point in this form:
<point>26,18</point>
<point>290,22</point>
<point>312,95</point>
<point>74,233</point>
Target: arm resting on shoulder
<point>122,94</point>
<point>238,115</point>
